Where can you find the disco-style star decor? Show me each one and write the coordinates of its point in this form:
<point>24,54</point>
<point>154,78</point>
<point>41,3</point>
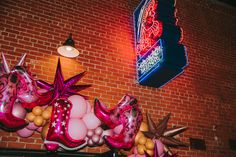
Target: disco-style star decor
<point>63,88</point>
<point>160,132</point>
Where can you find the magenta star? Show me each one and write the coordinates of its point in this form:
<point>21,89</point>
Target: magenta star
<point>61,88</point>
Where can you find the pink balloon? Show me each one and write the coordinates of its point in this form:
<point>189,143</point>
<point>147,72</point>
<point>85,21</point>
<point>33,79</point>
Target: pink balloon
<point>18,111</point>
<point>32,126</point>
<point>107,132</point>
<point>132,155</point>
<point>90,143</point>
<point>95,138</point>
<point>77,129</point>
<point>42,91</point>
<point>89,107</point>
<point>101,141</point>
<point>98,131</point>
<point>25,132</point>
<point>135,150</point>
<point>118,129</point>
<point>79,106</point>
<point>160,147</point>
<point>40,129</point>
<point>90,133</point>
<point>91,121</point>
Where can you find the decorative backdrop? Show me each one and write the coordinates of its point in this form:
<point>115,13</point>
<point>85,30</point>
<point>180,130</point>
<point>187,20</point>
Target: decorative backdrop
<point>203,96</point>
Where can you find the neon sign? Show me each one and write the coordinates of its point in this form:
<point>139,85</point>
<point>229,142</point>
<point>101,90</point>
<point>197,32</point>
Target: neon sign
<point>149,29</point>
<point>160,55</point>
<point>150,62</point>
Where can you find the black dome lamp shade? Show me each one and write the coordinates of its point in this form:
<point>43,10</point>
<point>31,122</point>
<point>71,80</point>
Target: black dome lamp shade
<point>68,48</point>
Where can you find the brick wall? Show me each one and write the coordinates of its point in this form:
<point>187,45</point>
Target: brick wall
<point>203,96</point>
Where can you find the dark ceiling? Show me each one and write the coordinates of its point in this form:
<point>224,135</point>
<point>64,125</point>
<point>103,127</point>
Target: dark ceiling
<point>229,2</point>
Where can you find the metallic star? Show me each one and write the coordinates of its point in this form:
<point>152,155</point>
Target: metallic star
<point>61,87</point>
<point>160,132</point>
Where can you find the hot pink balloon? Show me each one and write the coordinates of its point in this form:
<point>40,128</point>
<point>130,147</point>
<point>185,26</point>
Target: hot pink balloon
<point>18,111</point>
<point>79,106</point>
<point>25,132</point>
<point>91,121</point>
<point>17,86</point>
<point>60,131</point>
<point>8,96</point>
<point>77,129</point>
<point>52,146</point>
<point>126,113</point>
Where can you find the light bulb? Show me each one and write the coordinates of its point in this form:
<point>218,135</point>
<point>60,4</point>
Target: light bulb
<point>69,48</point>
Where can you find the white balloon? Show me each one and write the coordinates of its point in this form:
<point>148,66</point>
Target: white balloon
<point>77,129</point>
<point>118,129</point>
<point>91,121</point>
<point>90,133</point>
<point>98,131</point>
<point>107,132</point>
<point>95,138</point>
<point>79,106</point>
<point>18,111</point>
<point>89,107</point>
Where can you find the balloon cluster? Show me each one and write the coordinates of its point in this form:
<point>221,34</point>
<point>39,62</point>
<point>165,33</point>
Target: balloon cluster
<point>37,119</point>
<point>71,121</point>
<point>95,137</point>
<point>143,144</point>
<point>39,115</point>
<point>67,119</point>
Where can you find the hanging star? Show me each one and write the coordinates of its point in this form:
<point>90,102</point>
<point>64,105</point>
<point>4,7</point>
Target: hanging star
<point>61,87</point>
<point>160,132</point>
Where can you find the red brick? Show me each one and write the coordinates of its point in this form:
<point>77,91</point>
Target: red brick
<point>203,96</point>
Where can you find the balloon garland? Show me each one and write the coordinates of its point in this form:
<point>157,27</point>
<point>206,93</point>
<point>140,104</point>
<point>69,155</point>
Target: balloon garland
<point>65,119</point>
